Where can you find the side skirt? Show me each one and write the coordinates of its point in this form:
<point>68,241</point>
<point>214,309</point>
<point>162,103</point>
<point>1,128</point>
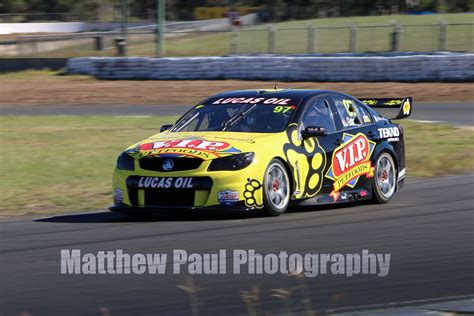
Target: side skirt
<point>344,197</point>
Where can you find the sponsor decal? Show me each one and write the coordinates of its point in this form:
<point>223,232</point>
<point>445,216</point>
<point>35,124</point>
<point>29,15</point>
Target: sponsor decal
<point>228,197</point>
<point>350,161</point>
<point>366,119</point>
<point>276,101</point>
<point>393,102</point>
<point>186,143</point>
<point>250,193</point>
<point>406,107</point>
<point>370,102</point>
<point>390,133</point>
<point>165,183</point>
<point>188,147</point>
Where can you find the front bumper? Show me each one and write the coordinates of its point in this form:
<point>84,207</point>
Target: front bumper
<point>239,207</point>
<point>206,191</point>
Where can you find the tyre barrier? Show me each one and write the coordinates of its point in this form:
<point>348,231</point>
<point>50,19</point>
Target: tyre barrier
<point>448,67</point>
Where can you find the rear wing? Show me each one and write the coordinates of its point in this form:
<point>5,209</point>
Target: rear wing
<point>404,104</point>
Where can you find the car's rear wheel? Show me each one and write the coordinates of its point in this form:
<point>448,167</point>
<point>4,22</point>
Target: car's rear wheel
<point>385,178</point>
<point>276,188</point>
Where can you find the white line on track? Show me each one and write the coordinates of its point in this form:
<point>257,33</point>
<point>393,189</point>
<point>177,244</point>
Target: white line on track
<point>429,122</point>
<point>132,116</point>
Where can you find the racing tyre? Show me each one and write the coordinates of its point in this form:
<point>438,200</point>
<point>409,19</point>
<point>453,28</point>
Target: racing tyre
<point>385,178</point>
<point>276,188</point>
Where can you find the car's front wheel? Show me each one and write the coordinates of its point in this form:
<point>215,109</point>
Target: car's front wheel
<point>385,178</point>
<point>276,188</point>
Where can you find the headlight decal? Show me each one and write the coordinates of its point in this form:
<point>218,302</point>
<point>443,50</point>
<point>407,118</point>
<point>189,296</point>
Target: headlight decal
<point>233,162</point>
<point>125,162</point>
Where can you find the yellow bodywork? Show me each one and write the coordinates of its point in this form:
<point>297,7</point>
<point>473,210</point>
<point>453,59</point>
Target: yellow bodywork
<point>305,160</point>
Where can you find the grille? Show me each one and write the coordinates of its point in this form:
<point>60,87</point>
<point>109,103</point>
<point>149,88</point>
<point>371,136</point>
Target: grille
<point>133,195</point>
<point>156,163</point>
<point>169,197</point>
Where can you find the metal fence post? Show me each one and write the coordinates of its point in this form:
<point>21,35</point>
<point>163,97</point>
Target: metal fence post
<point>99,42</point>
<point>161,27</point>
<point>121,46</point>
<point>443,34</point>
<point>311,37</point>
<point>353,38</point>
<point>271,39</point>
<point>234,41</point>
<point>396,38</point>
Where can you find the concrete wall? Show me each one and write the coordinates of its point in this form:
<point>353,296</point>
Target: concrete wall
<point>409,68</point>
<point>74,27</point>
<point>60,27</point>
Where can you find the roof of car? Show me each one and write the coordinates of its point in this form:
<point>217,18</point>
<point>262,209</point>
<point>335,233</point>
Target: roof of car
<point>295,94</point>
<point>277,93</point>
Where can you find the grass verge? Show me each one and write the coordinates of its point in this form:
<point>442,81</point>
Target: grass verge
<point>57,163</point>
<point>54,164</point>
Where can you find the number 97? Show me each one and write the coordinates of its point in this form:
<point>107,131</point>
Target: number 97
<point>281,109</point>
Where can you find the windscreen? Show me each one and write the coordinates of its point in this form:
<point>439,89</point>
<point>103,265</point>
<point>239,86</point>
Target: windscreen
<point>253,115</point>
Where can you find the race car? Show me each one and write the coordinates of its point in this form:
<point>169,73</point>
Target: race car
<point>266,150</point>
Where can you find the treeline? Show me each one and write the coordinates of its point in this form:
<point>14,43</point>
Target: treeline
<point>276,10</point>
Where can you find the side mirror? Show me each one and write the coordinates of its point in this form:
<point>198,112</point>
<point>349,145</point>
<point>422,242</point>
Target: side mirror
<point>313,131</point>
<point>165,127</point>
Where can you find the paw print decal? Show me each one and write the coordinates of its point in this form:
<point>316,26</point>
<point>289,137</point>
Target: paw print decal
<point>308,161</point>
<point>251,188</point>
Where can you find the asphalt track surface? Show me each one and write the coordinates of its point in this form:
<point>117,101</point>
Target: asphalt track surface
<point>427,228</point>
<point>459,113</point>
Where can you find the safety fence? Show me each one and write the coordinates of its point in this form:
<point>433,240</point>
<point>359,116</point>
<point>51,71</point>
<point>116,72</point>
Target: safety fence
<point>224,40</point>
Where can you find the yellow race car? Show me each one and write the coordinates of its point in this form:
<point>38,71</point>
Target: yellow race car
<point>266,149</point>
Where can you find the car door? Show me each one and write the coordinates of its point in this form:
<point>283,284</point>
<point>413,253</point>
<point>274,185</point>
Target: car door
<point>349,166</point>
<point>318,113</point>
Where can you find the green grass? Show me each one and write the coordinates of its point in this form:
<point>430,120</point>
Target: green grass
<point>54,164</point>
<point>292,37</point>
<point>436,149</point>
<point>43,74</point>
<point>60,163</point>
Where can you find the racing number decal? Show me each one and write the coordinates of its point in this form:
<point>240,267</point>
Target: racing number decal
<point>283,109</point>
<point>350,109</point>
<point>308,161</point>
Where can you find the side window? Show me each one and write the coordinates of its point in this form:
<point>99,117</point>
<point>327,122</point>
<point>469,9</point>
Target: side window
<point>319,114</point>
<point>349,112</point>
<point>366,119</point>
